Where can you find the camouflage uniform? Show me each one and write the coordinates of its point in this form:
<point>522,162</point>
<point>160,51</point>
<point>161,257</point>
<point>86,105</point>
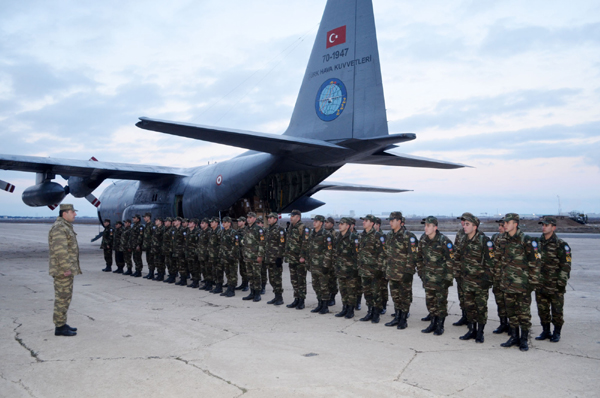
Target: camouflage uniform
<point>137,241</point>
<point>183,259</point>
<point>118,246</point>
<point>370,268</point>
<point>333,282</point>
<point>228,256</point>
<point>64,256</point>
<point>242,265</point>
<point>156,246</point>
<point>274,247</point>
<point>554,275</point>
<point>178,253</point>
<point>345,256</point>
<point>296,236</point>
<point>214,267</point>
<point>202,251</point>
<point>107,246</point>
<point>167,248</point>
<point>191,254</point>
<point>401,252</point>
<point>459,241</point>
<point>254,246</point>
<point>317,252</point>
<point>498,292</point>
<point>147,245</point>
<point>126,241</point>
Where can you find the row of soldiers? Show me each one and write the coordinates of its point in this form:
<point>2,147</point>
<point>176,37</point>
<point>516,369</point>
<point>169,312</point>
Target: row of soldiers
<point>365,263</point>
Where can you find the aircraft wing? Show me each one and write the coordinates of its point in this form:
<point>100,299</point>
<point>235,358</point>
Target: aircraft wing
<point>386,158</point>
<point>262,142</point>
<point>86,168</point>
<point>340,186</point>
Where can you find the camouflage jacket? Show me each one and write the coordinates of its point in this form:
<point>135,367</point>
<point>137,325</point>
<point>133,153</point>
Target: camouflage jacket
<point>518,263</point>
<point>370,254</point>
<point>118,239</point>
<point>295,237</point>
<point>178,242</point>
<point>555,264</point>
<point>213,243</point>
<point>126,239</point>
<point>229,246</point>
<point>475,262</point>
<point>435,261</point>
<point>137,236</point>
<point>191,243</point>
<point>202,246</point>
<point>63,248</point>
<point>401,254</point>
<point>274,243</point>
<point>253,243</point>
<point>147,241</point>
<point>107,238</point>
<point>332,232</point>
<point>167,243</point>
<point>345,254</point>
<point>495,238</point>
<point>239,233</point>
<point>156,244</point>
<point>318,249</point>
<point>459,239</point>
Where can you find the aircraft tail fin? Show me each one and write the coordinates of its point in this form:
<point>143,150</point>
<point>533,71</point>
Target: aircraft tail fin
<point>341,96</point>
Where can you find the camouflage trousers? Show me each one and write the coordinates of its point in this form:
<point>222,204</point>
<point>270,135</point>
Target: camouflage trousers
<point>203,269</point>
<point>194,267</point>
<point>218,271</point>
<point>243,271</point>
<point>127,255</point>
<point>476,305</point>
<point>550,307</point>
<point>333,282</point>
<point>402,292</point>
<point>518,309</point>
<point>63,292</point>
<point>254,273</point>
<point>500,302</point>
<point>210,268</point>
<point>182,266</point>
<point>159,263</point>
<point>298,279</point>
<point>137,259</point>
<point>175,265</point>
<point>150,261</point>
<point>349,289</point>
<point>461,293</point>
<point>169,263</point>
<point>119,259</point>
<point>108,257</point>
<point>320,280</point>
<point>264,268</point>
<point>385,296</point>
<point>276,275</point>
<point>436,300</point>
<point>231,271</point>
<point>373,289</point>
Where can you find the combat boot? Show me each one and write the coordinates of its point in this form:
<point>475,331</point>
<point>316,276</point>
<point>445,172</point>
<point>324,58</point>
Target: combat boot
<point>230,292</point>
<point>256,298</point>
<point>70,328</point>
<point>394,321</point>
<point>250,296</point>
<point>439,327</point>
<point>183,281</point>
<point>514,337</point>
<point>369,315</point>
<point>524,343</point>
<point>293,304</point>
<point>107,269</point>
<point>137,274</point>
<point>262,291</point>
<point>243,285</point>
<point>471,333</point>
<point>350,312</point>
<point>402,324</point>
<point>431,326</point>
<point>208,286</point>
<point>300,305</point>
<point>194,284</point>
<point>462,321</point>
<point>318,308</point>
<point>325,308</point>
<point>278,299</point>
<point>427,318</point>
<point>545,332</point>
<point>149,275</point>
<point>160,277</point>
<point>64,331</point>
<point>218,289</point>
<point>479,337</point>
<point>331,301</point>
<point>128,272</point>
<point>556,335</point>
<point>384,309</point>
<point>503,326</point>
<point>376,314</point>
<point>171,279</point>
<point>272,301</point>
<point>358,300</point>
<point>343,312</point>
<point>119,270</point>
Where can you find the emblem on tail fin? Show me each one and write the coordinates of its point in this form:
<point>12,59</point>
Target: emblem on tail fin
<point>331,99</point>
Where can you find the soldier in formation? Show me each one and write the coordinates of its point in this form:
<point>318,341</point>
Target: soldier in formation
<point>253,245</point>
<point>370,268</point>
<point>241,229</point>
<point>156,245</point>
<point>228,255</point>
<point>118,246</point>
<point>498,292</point>
<point>108,245</point>
<point>126,242</point>
<point>274,247</point>
<point>317,255</point>
<point>147,243</point>
<point>345,255</point>
<point>297,234</point>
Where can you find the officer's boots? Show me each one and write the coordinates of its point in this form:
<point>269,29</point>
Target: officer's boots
<point>545,332</point>
<point>369,315</point>
<point>343,312</point>
<point>293,304</point>
<point>137,274</point>
<point>471,333</point>
<point>277,300</point>
<point>183,281</point>
<point>394,321</point>
<point>427,318</point>
<point>256,295</point>
<point>250,296</point>
<point>556,335</point>
<point>318,307</point>
<point>523,343</point>
<point>150,275</point>
<point>119,270</point>
<point>230,292</point>
<point>160,276</point>
<point>300,305</point>
<point>431,326</point>
<point>107,269</point>
<point>479,337</point>
<point>402,324</point>
<point>503,326</point>
<point>514,337</point>
<point>350,312</point>
<point>462,321</point>
<point>439,327</point>
<point>331,301</point>
<point>242,286</point>
<point>325,307</point>
<point>64,330</point>
<point>358,300</point>
<point>376,314</point>
<point>128,272</point>
<point>218,288</point>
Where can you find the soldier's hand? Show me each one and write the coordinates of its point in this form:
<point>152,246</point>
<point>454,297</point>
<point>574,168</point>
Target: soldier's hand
<point>259,259</point>
<point>301,259</point>
<point>67,273</point>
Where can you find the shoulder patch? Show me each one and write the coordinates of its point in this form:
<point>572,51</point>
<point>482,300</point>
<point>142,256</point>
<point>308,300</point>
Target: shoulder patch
<point>329,239</point>
<point>490,244</point>
<point>449,245</point>
<point>534,244</point>
<point>412,239</point>
<point>567,248</point>
<point>382,239</point>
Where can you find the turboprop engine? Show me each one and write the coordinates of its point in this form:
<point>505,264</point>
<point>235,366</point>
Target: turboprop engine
<point>46,193</point>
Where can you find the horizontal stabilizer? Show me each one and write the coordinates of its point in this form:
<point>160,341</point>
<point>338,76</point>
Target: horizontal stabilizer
<point>87,168</point>
<point>340,186</point>
<point>386,158</point>
<point>262,142</point>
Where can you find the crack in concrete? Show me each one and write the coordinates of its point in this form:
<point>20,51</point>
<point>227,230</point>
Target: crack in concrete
<point>564,353</point>
<point>80,313</point>
<point>22,343</point>
<point>209,373</point>
<point>408,364</point>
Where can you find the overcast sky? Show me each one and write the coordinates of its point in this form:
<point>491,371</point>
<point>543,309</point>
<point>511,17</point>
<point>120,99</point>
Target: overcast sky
<point>511,88</point>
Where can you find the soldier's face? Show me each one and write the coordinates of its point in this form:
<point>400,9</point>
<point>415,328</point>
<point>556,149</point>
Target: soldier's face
<point>328,225</point>
<point>106,223</point>
<point>510,226</point>
<point>430,229</point>
<point>377,227</point>
<point>167,224</point>
<point>501,228</point>
<point>147,219</point>
<point>203,225</point>
<point>271,220</point>
<point>469,227</point>
<point>317,224</point>
<point>344,227</point>
<point>294,219</point>
<point>158,223</point>
<point>395,224</point>
<point>191,225</point>
<point>241,224</point>
<point>177,223</point>
<point>368,224</point>
<point>135,219</point>
<point>127,224</point>
<point>251,220</point>
<point>548,228</point>
<point>214,224</point>
<point>226,224</point>
<point>69,215</point>
<point>118,226</point>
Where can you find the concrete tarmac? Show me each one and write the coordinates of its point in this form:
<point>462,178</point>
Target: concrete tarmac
<point>140,338</point>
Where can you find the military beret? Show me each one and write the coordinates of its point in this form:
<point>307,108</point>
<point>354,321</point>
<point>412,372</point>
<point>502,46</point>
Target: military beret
<point>242,218</point>
<point>148,214</point>
<point>511,216</point>
<point>226,219</point>
<point>273,215</point>
<point>67,207</point>
<point>377,220</point>
<point>319,218</point>
<point>430,220</point>
<point>137,216</point>
<point>470,218</point>
<point>548,220</point>
<point>369,217</point>
<point>295,213</point>
<point>395,215</point>
<point>251,214</point>
<point>195,220</point>
<point>464,216</point>
<point>330,219</point>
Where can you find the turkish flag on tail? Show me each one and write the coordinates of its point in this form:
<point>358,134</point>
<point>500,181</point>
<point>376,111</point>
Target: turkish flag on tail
<point>336,36</point>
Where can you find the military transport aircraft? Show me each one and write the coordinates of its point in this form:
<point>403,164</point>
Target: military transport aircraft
<point>339,118</point>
